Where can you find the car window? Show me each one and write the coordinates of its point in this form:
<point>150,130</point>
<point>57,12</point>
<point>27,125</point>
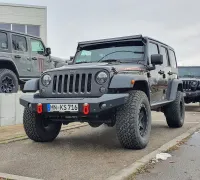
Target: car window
<point>37,46</point>
<point>19,43</point>
<point>172,59</point>
<point>3,41</point>
<point>153,48</point>
<point>164,52</point>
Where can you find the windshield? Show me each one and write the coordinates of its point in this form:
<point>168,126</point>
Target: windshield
<point>125,51</point>
<point>189,71</point>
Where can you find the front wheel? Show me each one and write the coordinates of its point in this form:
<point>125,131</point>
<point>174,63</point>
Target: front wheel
<point>175,111</point>
<point>133,121</point>
<point>38,128</point>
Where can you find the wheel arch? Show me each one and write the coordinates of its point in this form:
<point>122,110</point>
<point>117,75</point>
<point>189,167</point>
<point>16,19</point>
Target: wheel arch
<point>9,64</point>
<point>174,86</point>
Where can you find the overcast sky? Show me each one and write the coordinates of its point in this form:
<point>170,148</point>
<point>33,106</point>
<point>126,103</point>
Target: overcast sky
<point>175,22</point>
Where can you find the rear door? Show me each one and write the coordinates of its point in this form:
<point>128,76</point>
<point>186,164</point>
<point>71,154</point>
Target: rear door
<point>20,55</point>
<point>40,62</point>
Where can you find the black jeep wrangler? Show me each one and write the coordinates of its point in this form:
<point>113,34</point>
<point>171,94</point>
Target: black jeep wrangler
<point>22,57</point>
<point>190,75</point>
<point>115,81</point>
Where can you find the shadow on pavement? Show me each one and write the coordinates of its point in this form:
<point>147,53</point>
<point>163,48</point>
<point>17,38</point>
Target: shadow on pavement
<point>192,108</point>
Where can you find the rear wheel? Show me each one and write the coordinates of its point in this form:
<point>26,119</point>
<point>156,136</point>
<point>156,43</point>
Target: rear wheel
<point>8,81</point>
<point>133,121</point>
<point>38,128</point>
<point>175,111</point>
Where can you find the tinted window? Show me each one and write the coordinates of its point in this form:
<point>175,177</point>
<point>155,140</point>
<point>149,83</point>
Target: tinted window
<point>172,58</point>
<point>37,46</point>
<point>153,48</point>
<point>18,28</point>
<point>189,71</point>
<point>5,26</point>
<point>164,52</point>
<point>33,30</point>
<point>19,43</point>
<point>3,41</point>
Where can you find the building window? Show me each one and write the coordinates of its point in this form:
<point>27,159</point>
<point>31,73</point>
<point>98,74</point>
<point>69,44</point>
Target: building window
<point>33,30</point>
<point>19,28</point>
<point>5,26</point>
<point>19,43</point>
<point>3,41</point>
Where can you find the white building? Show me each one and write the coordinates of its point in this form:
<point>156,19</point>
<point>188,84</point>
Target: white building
<point>24,18</point>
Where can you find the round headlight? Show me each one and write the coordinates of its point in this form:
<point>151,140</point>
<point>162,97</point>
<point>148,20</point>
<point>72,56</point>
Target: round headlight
<point>101,77</point>
<point>194,83</point>
<point>46,80</point>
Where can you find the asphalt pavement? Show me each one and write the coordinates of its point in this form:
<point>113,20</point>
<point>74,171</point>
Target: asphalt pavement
<point>183,165</point>
<point>84,153</point>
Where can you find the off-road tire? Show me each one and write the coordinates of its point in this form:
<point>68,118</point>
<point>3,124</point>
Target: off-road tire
<point>175,111</point>
<point>12,75</point>
<point>35,130</point>
<point>127,121</point>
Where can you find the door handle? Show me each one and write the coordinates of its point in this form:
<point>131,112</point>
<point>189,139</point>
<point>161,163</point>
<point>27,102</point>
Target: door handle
<point>34,58</point>
<point>161,72</point>
<point>17,56</point>
<point>28,69</point>
<point>170,73</point>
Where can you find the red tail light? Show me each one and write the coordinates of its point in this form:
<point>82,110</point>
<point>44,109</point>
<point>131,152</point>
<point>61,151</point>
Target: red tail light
<point>86,108</point>
<point>39,108</point>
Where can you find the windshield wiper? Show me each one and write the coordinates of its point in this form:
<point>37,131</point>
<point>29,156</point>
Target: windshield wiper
<point>81,62</point>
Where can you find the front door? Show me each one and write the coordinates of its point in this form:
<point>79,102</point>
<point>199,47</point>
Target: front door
<point>20,55</point>
<point>40,62</point>
<point>154,76</point>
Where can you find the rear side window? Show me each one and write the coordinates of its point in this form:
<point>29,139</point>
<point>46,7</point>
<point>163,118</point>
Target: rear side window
<point>3,41</point>
<point>19,43</point>
<point>164,52</point>
<point>172,59</point>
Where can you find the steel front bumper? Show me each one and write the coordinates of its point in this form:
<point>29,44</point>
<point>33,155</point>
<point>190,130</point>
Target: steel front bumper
<point>109,100</point>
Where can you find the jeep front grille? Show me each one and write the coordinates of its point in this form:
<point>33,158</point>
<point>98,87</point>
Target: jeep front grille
<point>72,83</point>
<point>187,85</point>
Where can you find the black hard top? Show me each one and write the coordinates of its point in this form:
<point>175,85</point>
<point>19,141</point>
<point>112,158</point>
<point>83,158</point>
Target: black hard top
<point>124,38</point>
<point>19,33</point>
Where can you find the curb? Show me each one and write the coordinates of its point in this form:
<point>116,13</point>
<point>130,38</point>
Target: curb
<point>15,177</point>
<point>127,172</point>
<point>23,137</point>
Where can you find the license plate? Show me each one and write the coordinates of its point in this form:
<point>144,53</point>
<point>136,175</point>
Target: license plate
<point>62,107</point>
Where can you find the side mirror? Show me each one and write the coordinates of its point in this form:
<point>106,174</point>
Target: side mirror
<point>48,51</point>
<point>71,58</point>
<point>156,59</point>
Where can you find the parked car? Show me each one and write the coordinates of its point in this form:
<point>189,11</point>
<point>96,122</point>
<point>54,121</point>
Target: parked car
<point>22,57</point>
<point>116,81</point>
<point>190,75</point>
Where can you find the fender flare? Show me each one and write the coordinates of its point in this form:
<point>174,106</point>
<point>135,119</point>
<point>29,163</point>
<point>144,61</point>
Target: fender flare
<point>31,85</point>
<point>173,87</point>
<point>5,59</point>
<point>124,80</point>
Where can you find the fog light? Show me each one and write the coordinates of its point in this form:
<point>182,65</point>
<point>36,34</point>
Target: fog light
<point>86,108</point>
<point>102,89</point>
<point>39,108</point>
<point>103,106</point>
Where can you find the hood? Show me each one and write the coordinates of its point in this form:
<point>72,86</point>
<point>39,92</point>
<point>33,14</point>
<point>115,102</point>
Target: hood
<point>189,79</point>
<point>109,66</point>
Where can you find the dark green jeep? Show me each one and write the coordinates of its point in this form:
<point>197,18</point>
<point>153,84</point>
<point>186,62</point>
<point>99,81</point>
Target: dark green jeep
<point>114,81</point>
<point>22,57</point>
